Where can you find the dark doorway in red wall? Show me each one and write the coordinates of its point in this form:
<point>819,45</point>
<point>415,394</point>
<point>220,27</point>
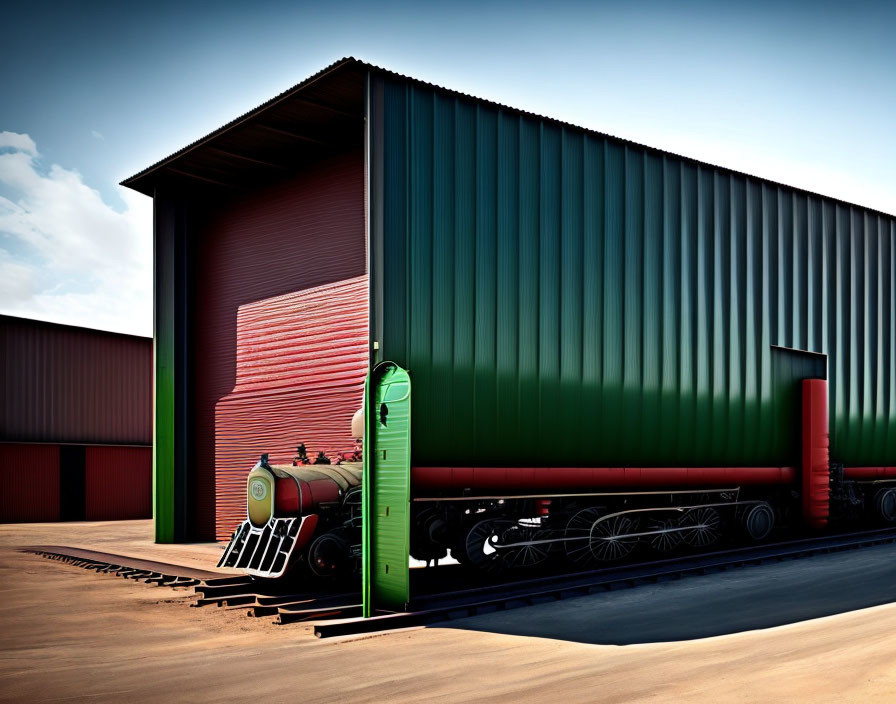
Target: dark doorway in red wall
<point>71,482</point>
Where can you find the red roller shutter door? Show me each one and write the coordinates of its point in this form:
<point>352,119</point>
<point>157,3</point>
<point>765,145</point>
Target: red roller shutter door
<point>118,483</point>
<point>29,483</point>
<point>280,331</point>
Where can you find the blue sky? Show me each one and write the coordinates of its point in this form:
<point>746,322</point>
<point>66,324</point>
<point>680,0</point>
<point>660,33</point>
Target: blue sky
<point>804,93</point>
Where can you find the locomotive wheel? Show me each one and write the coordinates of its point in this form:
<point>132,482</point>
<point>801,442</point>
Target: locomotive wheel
<point>668,539</point>
<point>758,521</point>
<point>703,527</point>
<point>578,549</point>
<point>459,553</point>
<point>328,556</point>
<point>478,546</point>
<point>609,539</point>
<point>524,555</point>
<point>885,503</point>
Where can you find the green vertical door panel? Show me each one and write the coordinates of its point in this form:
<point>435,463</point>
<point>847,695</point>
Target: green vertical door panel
<point>386,489</point>
<point>163,360</point>
<point>173,508</point>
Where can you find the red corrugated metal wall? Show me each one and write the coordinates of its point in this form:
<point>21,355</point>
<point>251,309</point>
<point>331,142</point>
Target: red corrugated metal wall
<point>118,483</point>
<point>280,333</point>
<point>29,482</point>
<point>73,385</point>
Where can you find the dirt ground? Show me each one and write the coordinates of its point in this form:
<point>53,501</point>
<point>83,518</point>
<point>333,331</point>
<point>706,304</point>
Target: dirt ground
<point>68,634</point>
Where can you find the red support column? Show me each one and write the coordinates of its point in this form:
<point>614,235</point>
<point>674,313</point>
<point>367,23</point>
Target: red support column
<point>816,458</point>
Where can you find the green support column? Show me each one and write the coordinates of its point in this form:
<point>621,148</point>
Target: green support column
<point>386,489</point>
<point>170,486</point>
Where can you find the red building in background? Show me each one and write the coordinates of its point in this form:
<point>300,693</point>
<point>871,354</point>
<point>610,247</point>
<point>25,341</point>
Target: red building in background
<point>75,423</point>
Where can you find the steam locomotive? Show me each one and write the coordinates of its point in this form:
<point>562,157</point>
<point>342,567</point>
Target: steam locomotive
<point>307,516</point>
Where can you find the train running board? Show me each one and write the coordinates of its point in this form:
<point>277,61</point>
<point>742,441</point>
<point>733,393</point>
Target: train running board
<point>267,551</point>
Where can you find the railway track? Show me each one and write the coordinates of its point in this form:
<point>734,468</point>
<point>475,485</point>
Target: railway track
<point>259,599</point>
<point>338,613</point>
<point>435,608</point>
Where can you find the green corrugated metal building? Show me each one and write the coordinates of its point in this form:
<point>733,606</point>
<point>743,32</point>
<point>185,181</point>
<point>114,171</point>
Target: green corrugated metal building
<point>560,297</point>
<point>566,298</point>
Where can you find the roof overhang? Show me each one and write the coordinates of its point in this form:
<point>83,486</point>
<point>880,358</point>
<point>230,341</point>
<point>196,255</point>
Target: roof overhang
<point>322,115</point>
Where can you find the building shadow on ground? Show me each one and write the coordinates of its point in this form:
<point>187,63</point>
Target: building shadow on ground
<point>750,598</point>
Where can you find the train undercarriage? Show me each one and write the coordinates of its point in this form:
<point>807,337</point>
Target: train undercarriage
<point>586,530</point>
<point>496,534</point>
<point>575,531</point>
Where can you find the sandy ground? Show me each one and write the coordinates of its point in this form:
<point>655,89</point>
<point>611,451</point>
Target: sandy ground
<point>70,634</point>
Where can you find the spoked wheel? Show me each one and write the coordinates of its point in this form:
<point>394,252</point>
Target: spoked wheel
<point>578,536</point>
<point>328,556</point>
<point>758,521</point>
<point>702,527</point>
<point>611,538</point>
<point>885,503</point>
<point>523,555</point>
<point>479,547</point>
<point>459,552</point>
<point>666,534</point>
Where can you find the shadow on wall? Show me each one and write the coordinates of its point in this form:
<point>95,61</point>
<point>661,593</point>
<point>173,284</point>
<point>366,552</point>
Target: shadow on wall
<point>746,599</point>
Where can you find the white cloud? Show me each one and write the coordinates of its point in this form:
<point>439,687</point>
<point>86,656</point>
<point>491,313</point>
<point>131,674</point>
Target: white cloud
<point>16,281</point>
<point>97,135</point>
<point>65,255</point>
<point>20,142</point>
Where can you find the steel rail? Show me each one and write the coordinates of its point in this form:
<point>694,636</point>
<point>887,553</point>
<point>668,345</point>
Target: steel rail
<point>338,613</point>
<point>258,597</point>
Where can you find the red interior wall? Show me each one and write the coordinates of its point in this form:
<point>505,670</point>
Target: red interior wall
<point>280,326</point>
<point>117,483</point>
<point>29,482</point>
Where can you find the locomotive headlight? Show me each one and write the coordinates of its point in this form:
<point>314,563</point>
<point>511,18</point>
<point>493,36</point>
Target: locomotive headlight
<point>260,496</point>
<point>258,488</point>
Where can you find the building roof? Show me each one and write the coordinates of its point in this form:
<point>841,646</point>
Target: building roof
<point>6,320</point>
<point>323,113</point>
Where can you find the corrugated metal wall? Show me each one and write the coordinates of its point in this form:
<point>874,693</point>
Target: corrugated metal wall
<point>280,315</point>
<point>29,483</point>
<point>110,483</point>
<point>67,384</point>
<point>117,483</point>
<point>565,299</point>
